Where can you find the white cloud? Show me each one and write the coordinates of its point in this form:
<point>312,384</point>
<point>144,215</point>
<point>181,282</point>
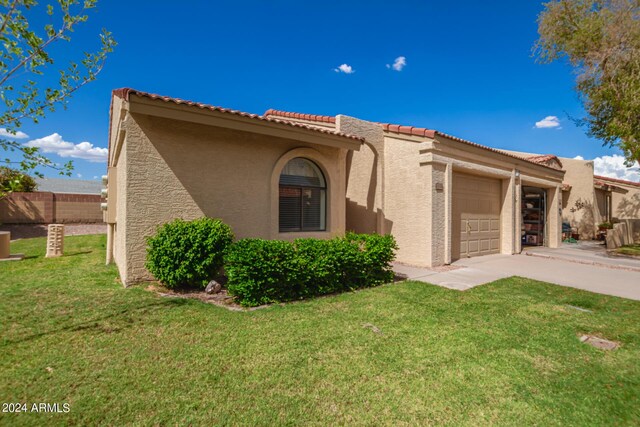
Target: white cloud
<point>79,175</point>
<point>344,68</point>
<point>614,167</point>
<point>578,158</point>
<point>18,135</point>
<point>399,63</point>
<point>549,122</point>
<point>83,150</point>
<point>95,176</point>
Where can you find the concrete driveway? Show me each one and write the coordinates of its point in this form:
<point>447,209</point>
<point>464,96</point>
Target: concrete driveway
<point>578,267</point>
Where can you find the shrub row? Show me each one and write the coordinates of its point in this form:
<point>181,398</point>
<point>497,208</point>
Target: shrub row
<point>266,271</point>
<point>191,253</point>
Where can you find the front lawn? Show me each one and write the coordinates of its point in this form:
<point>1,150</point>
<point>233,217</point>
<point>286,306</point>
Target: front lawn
<point>404,354</point>
<point>629,250</point>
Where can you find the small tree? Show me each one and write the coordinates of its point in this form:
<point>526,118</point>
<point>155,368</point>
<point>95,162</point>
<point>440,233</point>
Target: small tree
<point>601,40</point>
<point>13,180</point>
<point>24,59</point>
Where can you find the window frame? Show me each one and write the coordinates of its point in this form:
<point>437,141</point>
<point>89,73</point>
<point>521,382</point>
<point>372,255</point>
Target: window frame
<point>323,210</point>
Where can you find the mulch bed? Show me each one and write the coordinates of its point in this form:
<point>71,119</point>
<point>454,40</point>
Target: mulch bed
<point>221,299</point>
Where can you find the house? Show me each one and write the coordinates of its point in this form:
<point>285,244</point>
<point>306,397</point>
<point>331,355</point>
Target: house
<point>60,200</point>
<point>590,199</point>
<point>286,175</point>
<point>265,177</point>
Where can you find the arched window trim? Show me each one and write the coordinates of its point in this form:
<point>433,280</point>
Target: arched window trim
<point>305,206</point>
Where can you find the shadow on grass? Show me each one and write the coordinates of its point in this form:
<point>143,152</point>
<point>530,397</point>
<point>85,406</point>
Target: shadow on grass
<point>78,253</point>
<point>124,318</point>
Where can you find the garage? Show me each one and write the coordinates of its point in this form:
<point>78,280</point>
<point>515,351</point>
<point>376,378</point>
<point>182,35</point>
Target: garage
<point>476,216</point>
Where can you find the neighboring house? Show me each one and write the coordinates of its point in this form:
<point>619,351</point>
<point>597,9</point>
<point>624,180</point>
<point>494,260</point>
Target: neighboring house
<point>69,186</point>
<point>57,200</point>
<point>590,199</point>
<point>287,175</point>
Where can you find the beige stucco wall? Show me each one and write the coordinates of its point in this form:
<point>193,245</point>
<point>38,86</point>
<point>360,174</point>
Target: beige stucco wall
<point>415,203</point>
<point>174,169</point>
<point>365,177</point>
<point>120,227</point>
<point>625,201</point>
<point>580,207</point>
<point>626,232</point>
<point>407,200</point>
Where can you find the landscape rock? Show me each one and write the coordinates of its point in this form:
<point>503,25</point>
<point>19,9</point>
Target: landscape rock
<point>213,287</point>
<point>373,328</point>
<point>598,342</point>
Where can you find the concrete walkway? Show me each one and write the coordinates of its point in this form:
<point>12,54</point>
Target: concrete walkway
<point>471,272</point>
<point>585,252</point>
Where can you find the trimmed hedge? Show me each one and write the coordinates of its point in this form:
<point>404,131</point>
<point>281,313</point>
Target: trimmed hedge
<point>267,271</point>
<point>188,253</point>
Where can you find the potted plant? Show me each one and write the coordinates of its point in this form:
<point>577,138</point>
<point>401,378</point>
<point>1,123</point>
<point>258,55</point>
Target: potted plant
<point>604,226</point>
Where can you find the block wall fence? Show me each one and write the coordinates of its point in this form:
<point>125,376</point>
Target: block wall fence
<point>45,208</point>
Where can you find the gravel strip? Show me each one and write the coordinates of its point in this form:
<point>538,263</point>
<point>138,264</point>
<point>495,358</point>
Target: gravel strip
<point>28,231</point>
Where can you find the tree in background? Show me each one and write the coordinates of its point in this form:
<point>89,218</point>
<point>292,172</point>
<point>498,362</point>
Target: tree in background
<point>24,60</point>
<point>601,40</point>
<point>13,180</point>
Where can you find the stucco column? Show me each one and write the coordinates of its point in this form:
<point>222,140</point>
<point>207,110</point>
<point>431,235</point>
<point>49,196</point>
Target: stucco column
<point>109,258</point>
<point>554,217</point>
<point>448,212</point>
<point>437,213</point>
<point>508,213</point>
<point>517,228</point>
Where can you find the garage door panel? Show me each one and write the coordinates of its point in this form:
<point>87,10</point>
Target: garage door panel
<point>476,208</point>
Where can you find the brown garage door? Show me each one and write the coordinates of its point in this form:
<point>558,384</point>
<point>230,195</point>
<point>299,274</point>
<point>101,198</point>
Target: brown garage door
<point>476,216</point>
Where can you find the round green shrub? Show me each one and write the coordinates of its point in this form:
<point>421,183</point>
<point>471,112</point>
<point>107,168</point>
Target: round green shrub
<point>188,253</point>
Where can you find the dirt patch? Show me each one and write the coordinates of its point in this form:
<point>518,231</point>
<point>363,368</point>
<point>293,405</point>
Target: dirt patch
<point>28,231</point>
<point>221,299</point>
<point>613,253</point>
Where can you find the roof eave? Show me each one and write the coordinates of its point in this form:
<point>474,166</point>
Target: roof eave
<point>242,122</point>
<point>506,156</point>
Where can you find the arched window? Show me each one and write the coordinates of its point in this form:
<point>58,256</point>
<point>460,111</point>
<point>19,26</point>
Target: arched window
<point>303,197</point>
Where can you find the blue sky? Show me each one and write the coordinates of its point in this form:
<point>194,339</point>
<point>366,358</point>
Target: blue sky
<point>469,69</point>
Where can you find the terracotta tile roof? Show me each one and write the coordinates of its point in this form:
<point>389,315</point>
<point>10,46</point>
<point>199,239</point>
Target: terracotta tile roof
<point>125,93</point>
<point>408,130</point>
<point>430,133</point>
<point>405,130</point>
<point>300,116</point>
<point>599,179</point>
<point>544,159</point>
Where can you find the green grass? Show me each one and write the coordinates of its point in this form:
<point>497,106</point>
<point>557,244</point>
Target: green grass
<point>505,353</point>
<point>629,250</point>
